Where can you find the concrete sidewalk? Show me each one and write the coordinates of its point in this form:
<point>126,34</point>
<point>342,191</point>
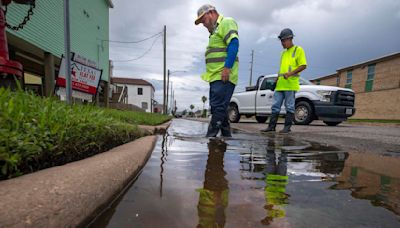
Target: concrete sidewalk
<point>72,194</point>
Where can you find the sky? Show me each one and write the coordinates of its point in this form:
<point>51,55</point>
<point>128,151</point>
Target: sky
<point>334,34</point>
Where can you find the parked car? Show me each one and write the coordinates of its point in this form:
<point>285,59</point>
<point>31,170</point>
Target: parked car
<point>330,104</point>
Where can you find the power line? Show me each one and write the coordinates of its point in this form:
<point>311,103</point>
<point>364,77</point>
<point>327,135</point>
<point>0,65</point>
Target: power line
<point>141,56</point>
<point>133,42</point>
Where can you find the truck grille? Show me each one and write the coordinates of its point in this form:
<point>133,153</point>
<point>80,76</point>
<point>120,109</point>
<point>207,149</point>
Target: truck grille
<point>344,98</point>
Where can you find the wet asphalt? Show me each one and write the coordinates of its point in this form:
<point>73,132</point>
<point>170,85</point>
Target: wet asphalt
<point>255,180</point>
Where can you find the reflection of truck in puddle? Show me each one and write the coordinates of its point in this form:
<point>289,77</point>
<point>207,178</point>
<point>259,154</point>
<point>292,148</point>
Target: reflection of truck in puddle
<point>330,104</point>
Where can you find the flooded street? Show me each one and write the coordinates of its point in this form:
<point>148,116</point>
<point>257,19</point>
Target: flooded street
<point>255,180</point>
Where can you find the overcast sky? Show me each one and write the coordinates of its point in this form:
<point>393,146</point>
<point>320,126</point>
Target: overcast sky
<point>334,34</point>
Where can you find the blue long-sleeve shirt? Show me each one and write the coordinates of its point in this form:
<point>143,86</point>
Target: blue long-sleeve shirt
<point>232,50</point>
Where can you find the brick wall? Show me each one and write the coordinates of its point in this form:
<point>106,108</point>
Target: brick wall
<point>383,102</point>
<point>387,76</point>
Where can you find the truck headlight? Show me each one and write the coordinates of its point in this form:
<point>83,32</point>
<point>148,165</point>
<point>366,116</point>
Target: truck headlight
<point>324,95</point>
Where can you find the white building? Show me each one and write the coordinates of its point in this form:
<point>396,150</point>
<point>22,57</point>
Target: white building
<point>140,92</point>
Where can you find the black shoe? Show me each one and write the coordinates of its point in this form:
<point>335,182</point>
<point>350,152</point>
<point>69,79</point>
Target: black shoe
<point>288,123</point>
<point>272,123</point>
<point>226,129</point>
<point>213,129</point>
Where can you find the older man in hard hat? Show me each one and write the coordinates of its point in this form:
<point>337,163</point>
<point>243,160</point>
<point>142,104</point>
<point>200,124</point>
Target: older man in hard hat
<point>293,61</point>
<point>221,66</point>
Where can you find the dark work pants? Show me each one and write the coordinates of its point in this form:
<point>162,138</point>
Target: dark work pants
<point>220,96</point>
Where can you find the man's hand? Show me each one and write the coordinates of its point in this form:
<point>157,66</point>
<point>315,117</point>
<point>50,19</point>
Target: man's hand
<point>225,74</point>
<point>287,75</point>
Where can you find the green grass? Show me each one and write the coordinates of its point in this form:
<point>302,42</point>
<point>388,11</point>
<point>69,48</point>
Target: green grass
<point>141,118</point>
<point>37,133</point>
<point>373,121</point>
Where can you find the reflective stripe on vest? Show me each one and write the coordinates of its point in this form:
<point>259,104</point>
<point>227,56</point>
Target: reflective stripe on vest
<point>218,60</point>
<point>212,50</point>
<point>229,34</point>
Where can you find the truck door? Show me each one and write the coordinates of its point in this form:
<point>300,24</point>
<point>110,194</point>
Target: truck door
<point>265,96</point>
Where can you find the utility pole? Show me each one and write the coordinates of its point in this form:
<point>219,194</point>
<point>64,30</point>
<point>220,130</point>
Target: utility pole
<point>251,67</point>
<point>171,100</point>
<point>165,69</point>
<point>67,46</point>
<point>168,73</point>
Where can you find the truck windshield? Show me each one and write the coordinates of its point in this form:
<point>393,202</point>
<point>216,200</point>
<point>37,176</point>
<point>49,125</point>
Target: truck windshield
<point>303,81</point>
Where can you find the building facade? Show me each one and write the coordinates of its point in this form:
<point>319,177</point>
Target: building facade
<point>140,92</point>
<point>39,46</point>
<point>376,84</point>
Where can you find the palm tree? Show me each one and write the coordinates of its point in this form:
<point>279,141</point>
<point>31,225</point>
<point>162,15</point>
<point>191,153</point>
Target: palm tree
<point>191,109</point>
<point>204,112</point>
<point>204,99</point>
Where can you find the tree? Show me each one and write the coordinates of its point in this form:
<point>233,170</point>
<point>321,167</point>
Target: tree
<point>204,99</point>
<point>204,112</point>
<point>191,110</point>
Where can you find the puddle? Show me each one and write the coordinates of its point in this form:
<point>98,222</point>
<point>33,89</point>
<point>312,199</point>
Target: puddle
<point>255,180</point>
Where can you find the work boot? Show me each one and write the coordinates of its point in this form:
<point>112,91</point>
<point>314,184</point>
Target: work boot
<point>272,123</point>
<point>213,129</point>
<point>226,129</point>
<point>288,123</point>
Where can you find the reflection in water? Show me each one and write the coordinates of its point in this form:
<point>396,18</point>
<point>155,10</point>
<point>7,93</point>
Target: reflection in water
<point>163,158</point>
<point>374,178</point>
<point>327,187</point>
<point>276,180</point>
<point>213,197</point>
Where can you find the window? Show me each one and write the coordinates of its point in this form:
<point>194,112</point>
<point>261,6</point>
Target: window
<point>267,83</point>
<point>371,72</point>
<point>349,79</point>
<point>370,78</point>
<point>338,80</point>
<point>145,105</point>
<point>140,91</point>
<point>318,82</point>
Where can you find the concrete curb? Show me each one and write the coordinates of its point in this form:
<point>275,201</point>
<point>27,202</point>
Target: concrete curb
<point>72,194</point>
<point>159,129</point>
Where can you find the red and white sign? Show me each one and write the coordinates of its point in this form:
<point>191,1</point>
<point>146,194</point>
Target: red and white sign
<point>84,78</point>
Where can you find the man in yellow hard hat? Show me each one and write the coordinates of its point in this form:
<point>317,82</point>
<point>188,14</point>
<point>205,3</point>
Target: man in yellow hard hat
<point>221,66</point>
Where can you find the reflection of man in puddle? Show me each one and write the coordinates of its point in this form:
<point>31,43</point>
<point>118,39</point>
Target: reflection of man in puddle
<point>276,181</point>
<point>214,195</point>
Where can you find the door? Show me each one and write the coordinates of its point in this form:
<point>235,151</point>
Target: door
<point>265,96</point>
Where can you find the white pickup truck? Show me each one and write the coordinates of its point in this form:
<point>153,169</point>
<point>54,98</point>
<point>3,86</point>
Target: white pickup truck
<point>330,104</point>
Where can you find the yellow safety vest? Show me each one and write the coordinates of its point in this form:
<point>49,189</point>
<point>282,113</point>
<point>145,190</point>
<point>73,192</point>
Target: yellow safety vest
<point>207,207</point>
<point>216,52</point>
<point>291,59</point>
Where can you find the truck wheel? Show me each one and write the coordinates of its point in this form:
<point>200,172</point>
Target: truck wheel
<point>233,113</point>
<point>303,114</point>
<point>261,119</point>
<point>329,123</point>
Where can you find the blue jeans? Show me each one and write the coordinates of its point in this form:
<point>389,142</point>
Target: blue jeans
<point>289,98</point>
<point>220,96</point>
